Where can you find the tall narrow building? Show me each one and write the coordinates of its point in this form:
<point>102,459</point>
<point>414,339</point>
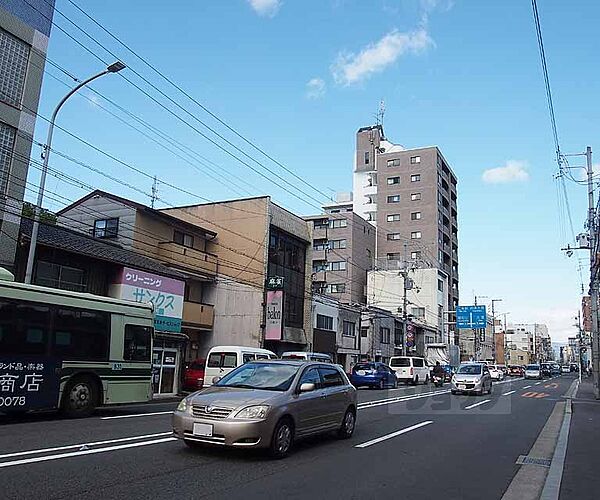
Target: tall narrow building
<point>409,194</point>
<point>24,31</point>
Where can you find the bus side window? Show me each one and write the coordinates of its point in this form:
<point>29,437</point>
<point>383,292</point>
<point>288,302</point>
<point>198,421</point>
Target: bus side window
<point>137,343</point>
<point>23,328</point>
<point>81,334</point>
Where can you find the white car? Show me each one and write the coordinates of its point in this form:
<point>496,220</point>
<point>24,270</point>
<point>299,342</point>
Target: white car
<point>496,372</point>
<point>533,372</point>
<point>565,369</point>
<point>410,369</point>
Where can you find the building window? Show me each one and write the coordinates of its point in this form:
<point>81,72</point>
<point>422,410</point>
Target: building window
<point>415,178</point>
<point>415,255</point>
<point>395,198</point>
<point>324,322</point>
<point>187,240</point>
<point>393,217</point>
<point>394,256</point>
<point>418,312</point>
<point>393,180</point>
<point>137,343</point>
<point>321,223</point>
<point>415,216</point>
<point>337,266</point>
<point>385,335</point>
<point>367,157</point>
<point>319,266</point>
<point>336,288</point>
<point>415,159</point>
<point>393,236</point>
<point>337,223</point>
<point>14,55</point>
<point>415,197</point>
<point>7,144</point>
<point>106,228</point>
<point>393,163</point>
<point>59,276</point>
<point>415,235</point>
<point>441,285</point>
<point>370,217</point>
<point>349,329</point>
<point>337,244</point>
<point>320,244</point>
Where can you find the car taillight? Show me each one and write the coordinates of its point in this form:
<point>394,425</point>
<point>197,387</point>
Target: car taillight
<point>412,370</point>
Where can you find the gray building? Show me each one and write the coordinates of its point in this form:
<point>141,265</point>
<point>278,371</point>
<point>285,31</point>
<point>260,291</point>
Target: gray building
<point>342,251</point>
<point>410,196</point>
<point>24,32</point>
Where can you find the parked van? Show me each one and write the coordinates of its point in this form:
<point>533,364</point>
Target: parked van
<point>307,356</point>
<point>411,369</point>
<point>224,358</point>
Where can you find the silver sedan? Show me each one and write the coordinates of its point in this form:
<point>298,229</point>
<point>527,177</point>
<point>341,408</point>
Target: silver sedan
<point>269,404</point>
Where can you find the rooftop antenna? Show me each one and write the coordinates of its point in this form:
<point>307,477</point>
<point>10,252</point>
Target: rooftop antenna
<point>154,195</point>
<point>381,112</point>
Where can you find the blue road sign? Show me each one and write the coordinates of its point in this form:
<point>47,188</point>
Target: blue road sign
<point>471,317</point>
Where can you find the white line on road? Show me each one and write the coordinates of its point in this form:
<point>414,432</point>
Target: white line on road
<point>509,393</point>
<point>537,383</point>
<point>477,404</point>
<point>527,387</point>
<point>138,415</point>
<point>46,458</point>
<point>94,443</point>
<point>400,399</point>
<point>394,434</point>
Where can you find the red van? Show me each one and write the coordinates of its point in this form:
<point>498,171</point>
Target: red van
<point>193,377</point>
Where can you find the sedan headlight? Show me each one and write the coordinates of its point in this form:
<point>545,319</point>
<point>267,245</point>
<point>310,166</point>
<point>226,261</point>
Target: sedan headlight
<point>258,412</point>
<point>183,405</point>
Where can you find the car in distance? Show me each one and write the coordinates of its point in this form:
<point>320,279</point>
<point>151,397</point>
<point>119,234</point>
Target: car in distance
<point>269,404</point>
<point>516,371</point>
<point>496,372</point>
<point>533,371</point>
<point>546,369</point>
<point>565,369</point>
<point>472,378</point>
<point>193,376</point>
<point>410,369</point>
<point>374,375</point>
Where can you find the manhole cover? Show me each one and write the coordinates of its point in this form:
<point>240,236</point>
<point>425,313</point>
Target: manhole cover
<point>526,460</point>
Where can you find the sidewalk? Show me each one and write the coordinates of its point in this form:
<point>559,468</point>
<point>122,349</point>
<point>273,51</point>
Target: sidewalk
<point>581,475</point>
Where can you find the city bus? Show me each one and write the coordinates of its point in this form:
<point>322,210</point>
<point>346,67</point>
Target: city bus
<point>71,351</point>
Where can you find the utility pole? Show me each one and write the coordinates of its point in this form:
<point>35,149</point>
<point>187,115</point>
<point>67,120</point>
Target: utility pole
<point>579,338</point>
<point>494,330</point>
<point>154,196</point>
<point>406,285</point>
<point>593,280</point>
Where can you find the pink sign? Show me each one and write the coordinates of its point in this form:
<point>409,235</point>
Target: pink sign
<point>274,323</point>
<point>149,281</point>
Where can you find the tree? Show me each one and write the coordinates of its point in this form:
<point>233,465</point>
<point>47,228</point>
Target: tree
<point>46,216</point>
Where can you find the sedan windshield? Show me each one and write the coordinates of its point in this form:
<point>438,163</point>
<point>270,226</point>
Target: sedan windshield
<point>470,370</point>
<point>266,376</point>
<point>533,367</point>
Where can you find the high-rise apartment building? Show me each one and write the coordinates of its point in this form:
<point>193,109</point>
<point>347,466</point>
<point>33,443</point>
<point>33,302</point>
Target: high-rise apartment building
<point>24,31</point>
<point>343,246</point>
<point>410,196</point>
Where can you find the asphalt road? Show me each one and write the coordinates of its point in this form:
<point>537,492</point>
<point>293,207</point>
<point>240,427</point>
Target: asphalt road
<point>452,447</point>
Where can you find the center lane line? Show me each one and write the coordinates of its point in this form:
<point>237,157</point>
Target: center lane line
<point>527,387</point>
<point>509,393</point>
<point>393,434</point>
<point>477,404</point>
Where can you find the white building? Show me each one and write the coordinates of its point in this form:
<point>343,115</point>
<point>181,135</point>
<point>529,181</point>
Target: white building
<point>427,298</point>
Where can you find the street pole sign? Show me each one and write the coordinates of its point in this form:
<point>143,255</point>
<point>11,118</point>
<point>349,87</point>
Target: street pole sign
<point>275,283</point>
<point>468,317</point>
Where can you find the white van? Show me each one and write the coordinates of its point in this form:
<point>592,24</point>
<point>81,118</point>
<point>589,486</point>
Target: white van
<point>224,358</point>
<point>411,369</point>
<point>307,356</point>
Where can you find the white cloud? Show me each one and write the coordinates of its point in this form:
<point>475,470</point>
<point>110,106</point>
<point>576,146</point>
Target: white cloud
<point>266,8</point>
<point>315,88</point>
<point>350,68</point>
<point>513,171</point>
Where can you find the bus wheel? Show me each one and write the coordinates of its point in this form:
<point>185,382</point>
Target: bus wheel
<point>79,399</point>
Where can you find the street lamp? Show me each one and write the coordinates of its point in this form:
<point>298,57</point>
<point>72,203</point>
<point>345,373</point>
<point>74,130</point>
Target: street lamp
<point>113,68</point>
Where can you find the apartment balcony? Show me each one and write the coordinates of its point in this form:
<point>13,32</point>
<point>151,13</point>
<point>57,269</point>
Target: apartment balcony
<point>197,315</point>
<point>189,258</point>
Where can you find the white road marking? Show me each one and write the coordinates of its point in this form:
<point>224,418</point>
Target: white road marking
<point>393,434</point>
<point>537,383</point>
<point>527,387</point>
<point>477,404</point>
<point>400,399</point>
<point>509,393</point>
<point>46,458</point>
<point>138,415</point>
<point>94,443</point>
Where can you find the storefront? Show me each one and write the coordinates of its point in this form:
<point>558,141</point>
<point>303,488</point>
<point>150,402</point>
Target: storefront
<point>167,354</point>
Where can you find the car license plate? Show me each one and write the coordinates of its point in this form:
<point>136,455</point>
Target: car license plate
<point>462,386</point>
<point>203,430</point>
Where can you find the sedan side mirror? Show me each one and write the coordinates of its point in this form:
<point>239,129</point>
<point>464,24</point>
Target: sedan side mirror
<point>215,379</point>
<point>307,387</point>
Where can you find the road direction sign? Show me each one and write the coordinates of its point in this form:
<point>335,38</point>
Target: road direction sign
<point>471,317</point>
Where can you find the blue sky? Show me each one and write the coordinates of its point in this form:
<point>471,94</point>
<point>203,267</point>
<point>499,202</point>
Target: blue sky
<point>299,78</point>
